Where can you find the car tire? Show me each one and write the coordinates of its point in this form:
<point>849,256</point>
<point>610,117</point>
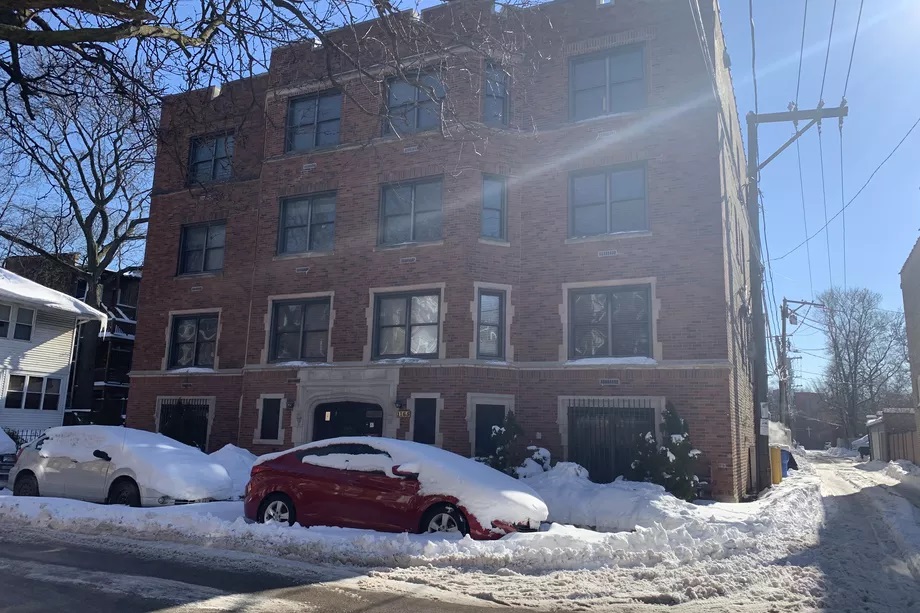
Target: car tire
<point>444,518</point>
<point>125,493</point>
<point>277,509</point>
<point>26,485</point>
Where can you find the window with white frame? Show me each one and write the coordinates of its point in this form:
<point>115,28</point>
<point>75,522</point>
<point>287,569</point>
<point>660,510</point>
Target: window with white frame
<point>20,319</point>
<point>270,413</point>
<point>35,393</point>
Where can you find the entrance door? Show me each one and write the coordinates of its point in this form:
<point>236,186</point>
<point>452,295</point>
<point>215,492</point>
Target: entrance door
<point>603,439</point>
<point>185,420</point>
<point>334,419</point>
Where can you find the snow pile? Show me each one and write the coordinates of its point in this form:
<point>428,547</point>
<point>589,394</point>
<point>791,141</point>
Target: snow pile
<point>484,492</point>
<point>610,507</point>
<point>18,289</point>
<point>860,442</point>
<point>841,452</point>
<point>902,470</point>
<point>238,464</point>
<point>155,461</point>
<point>6,443</point>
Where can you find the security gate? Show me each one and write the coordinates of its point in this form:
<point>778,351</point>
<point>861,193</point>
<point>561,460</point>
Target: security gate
<point>186,420</point>
<point>603,434</point>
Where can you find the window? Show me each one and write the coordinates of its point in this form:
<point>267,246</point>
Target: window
<point>494,203</point>
<point>610,322</point>
<point>194,341</point>
<point>270,419</point>
<point>608,201</point>
<point>20,319</point>
<point>211,158</point>
<point>127,293</point>
<point>407,325</point>
<point>307,224</point>
<point>495,100</point>
<point>425,419</point>
<point>202,248</point>
<point>314,121</point>
<point>28,392</point>
<point>490,341</point>
<point>411,212</point>
<point>300,330</point>
<point>414,107</point>
<point>488,417</point>
<point>610,83</point>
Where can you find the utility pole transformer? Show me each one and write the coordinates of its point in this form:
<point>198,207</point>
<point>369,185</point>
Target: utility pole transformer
<point>758,320</point>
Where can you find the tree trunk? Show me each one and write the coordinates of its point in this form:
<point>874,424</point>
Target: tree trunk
<point>85,370</point>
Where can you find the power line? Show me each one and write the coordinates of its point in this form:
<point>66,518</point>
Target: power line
<point>853,48</point>
<point>827,235</point>
<point>753,53</point>
<point>857,194</point>
<point>798,83</point>
<point>827,57</point>
<point>798,153</point>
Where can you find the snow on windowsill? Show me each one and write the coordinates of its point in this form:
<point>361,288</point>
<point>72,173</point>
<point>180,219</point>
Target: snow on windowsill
<point>192,370</point>
<point>631,361</point>
<point>299,364</point>
<point>401,361</point>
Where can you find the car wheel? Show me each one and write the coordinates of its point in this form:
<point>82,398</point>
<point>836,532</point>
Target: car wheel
<point>125,493</point>
<point>277,509</point>
<point>26,485</point>
<point>444,518</point>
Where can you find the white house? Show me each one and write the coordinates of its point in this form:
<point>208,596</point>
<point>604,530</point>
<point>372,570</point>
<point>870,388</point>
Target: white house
<point>37,333</point>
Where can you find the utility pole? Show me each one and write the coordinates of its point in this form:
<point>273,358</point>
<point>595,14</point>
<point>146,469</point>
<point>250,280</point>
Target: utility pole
<point>784,377</point>
<point>754,166</point>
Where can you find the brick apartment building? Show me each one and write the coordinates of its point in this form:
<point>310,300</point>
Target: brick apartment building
<point>910,291</point>
<point>815,422</point>
<point>582,261</point>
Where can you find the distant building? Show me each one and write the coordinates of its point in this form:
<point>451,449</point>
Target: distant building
<point>116,339</point>
<point>910,290</point>
<point>36,343</point>
<point>814,421</point>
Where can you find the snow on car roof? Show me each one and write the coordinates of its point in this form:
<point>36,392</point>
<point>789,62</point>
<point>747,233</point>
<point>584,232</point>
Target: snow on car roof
<point>157,461</point>
<point>485,492</point>
<point>22,290</point>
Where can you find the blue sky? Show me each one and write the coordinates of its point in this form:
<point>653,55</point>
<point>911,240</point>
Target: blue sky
<point>883,94</point>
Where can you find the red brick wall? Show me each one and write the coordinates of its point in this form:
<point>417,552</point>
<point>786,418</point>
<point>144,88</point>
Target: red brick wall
<point>691,206</point>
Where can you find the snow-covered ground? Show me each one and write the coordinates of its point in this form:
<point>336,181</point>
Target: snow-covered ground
<point>836,535</point>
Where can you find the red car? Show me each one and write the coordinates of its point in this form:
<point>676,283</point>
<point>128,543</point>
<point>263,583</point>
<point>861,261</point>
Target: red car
<point>389,485</point>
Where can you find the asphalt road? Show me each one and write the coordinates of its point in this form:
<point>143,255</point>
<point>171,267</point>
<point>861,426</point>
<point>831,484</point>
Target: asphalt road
<point>52,571</point>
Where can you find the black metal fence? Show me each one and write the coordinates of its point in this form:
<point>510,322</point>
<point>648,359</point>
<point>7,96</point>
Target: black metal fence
<point>603,433</point>
<point>186,420</point>
<point>23,436</point>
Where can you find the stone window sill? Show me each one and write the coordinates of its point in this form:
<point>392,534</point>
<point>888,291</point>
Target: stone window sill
<point>298,256</point>
<point>607,237</point>
<point>409,245</point>
<point>494,241</point>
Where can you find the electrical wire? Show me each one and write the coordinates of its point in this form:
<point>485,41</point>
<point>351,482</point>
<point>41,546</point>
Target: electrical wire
<point>753,54</point>
<point>827,57</point>
<point>798,81</point>
<point>843,215</point>
<point>827,235</point>
<point>853,48</point>
<point>857,194</point>
<point>811,280</point>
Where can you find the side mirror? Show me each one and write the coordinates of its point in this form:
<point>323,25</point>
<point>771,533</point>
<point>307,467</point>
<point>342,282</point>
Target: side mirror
<point>407,471</point>
<point>102,455</point>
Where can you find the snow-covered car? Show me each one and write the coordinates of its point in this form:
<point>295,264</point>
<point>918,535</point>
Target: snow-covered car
<point>117,465</point>
<point>389,485</point>
<point>7,456</point>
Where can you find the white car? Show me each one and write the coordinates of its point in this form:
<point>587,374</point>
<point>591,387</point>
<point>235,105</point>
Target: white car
<point>117,465</point>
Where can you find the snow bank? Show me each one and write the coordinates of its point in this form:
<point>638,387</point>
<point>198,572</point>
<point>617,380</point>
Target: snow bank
<point>714,535</point>
<point>610,507</point>
<point>902,470</point>
<point>841,452</point>
<point>21,290</point>
<point>483,491</point>
<point>860,442</point>
<point>6,443</point>
<point>156,461</point>
<point>238,464</point>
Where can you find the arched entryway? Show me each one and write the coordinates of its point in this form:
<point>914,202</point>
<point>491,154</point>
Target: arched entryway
<point>332,419</point>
